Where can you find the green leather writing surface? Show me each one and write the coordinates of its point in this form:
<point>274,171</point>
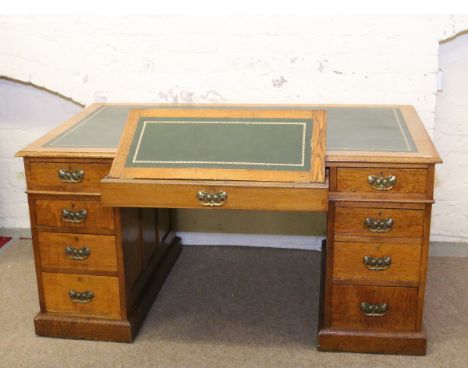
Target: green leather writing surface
<point>102,128</point>
<point>368,129</point>
<point>349,128</point>
<point>228,143</point>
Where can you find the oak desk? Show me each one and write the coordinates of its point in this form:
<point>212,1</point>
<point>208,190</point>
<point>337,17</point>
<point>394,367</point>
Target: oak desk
<point>100,266</point>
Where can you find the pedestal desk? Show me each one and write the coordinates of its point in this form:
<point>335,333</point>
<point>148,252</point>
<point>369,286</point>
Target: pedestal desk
<point>104,244</point>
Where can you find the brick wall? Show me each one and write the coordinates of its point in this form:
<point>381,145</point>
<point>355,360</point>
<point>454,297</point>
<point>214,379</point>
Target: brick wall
<point>450,213</point>
<point>267,59</point>
<point>26,113</point>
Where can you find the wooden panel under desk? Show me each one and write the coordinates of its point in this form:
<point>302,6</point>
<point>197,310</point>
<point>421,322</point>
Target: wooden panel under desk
<point>101,248</point>
<point>99,219</point>
<point>406,223</point>
<point>348,314</point>
<point>44,176</point>
<point>349,267</point>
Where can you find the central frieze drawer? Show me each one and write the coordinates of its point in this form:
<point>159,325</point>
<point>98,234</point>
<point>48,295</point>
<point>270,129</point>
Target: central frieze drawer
<point>378,263</point>
<point>382,180</point>
<point>379,222</point>
<point>82,294</point>
<point>71,251</point>
<point>83,215</point>
<point>373,307</point>
<point>228,195</point>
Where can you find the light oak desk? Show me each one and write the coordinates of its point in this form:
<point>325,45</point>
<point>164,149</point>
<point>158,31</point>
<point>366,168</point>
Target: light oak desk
<point>103,241</point>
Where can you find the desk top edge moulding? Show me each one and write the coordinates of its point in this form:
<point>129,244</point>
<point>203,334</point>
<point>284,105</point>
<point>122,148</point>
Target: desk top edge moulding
<point>101,185</point>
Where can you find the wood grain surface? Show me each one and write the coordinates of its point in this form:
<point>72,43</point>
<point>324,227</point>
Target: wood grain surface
<point>406,223</point>
<point>408,180</point>
<point>102,258</point>
<point>99,218</point>
<point>44,176</point>
<point>349,267</point>
<point>347,314</point>
<point>106,302</point>
<point>125,193</point>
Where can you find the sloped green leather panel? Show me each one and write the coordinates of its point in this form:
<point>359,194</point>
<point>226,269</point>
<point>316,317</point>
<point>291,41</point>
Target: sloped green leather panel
<point>234,143</point>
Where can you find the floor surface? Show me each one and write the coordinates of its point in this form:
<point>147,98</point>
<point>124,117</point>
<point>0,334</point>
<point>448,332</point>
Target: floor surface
<point>228,307</point>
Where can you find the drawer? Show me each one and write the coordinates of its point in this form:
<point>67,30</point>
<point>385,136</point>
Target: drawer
<point>374,308</point>
<point>382,180</point>
<point>222,195</point>
<point>81,294</point>
<point>377,263</point>
<point>66,176</point>
<point>70,251</point>
<point>379,222</point>
<point>84,215</point>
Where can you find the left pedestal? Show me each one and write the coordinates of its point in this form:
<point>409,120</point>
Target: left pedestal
<point>98,268</point>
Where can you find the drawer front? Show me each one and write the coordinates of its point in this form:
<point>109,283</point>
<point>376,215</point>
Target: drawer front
<point>379,222</point>
<point>161,195</point>
<point>65,176</point>
<point>81,294</point>
<point>378,263</point>
<point>72,251</point>
<point>382,180</point>
<point>84,215</point>
<point>361,307</point>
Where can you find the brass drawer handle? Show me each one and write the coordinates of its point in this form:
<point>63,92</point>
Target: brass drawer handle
<point>212,199</point>
<point>382,183</point>
<point>377,263</point>
<point>77,254</point>
<point>74,217</point>
<point>81,297</point>
<point>379,225</point>
<point>374,310</point>
<point>71,176</point>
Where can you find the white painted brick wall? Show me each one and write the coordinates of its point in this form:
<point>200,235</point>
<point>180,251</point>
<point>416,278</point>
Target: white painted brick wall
<point>268,59</point>
<point>26,113</point>
<point>450,213</point>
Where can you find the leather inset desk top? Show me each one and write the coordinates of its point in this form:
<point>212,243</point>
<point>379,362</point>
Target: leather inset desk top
<point>348,128</point>
<point>355,133</point>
